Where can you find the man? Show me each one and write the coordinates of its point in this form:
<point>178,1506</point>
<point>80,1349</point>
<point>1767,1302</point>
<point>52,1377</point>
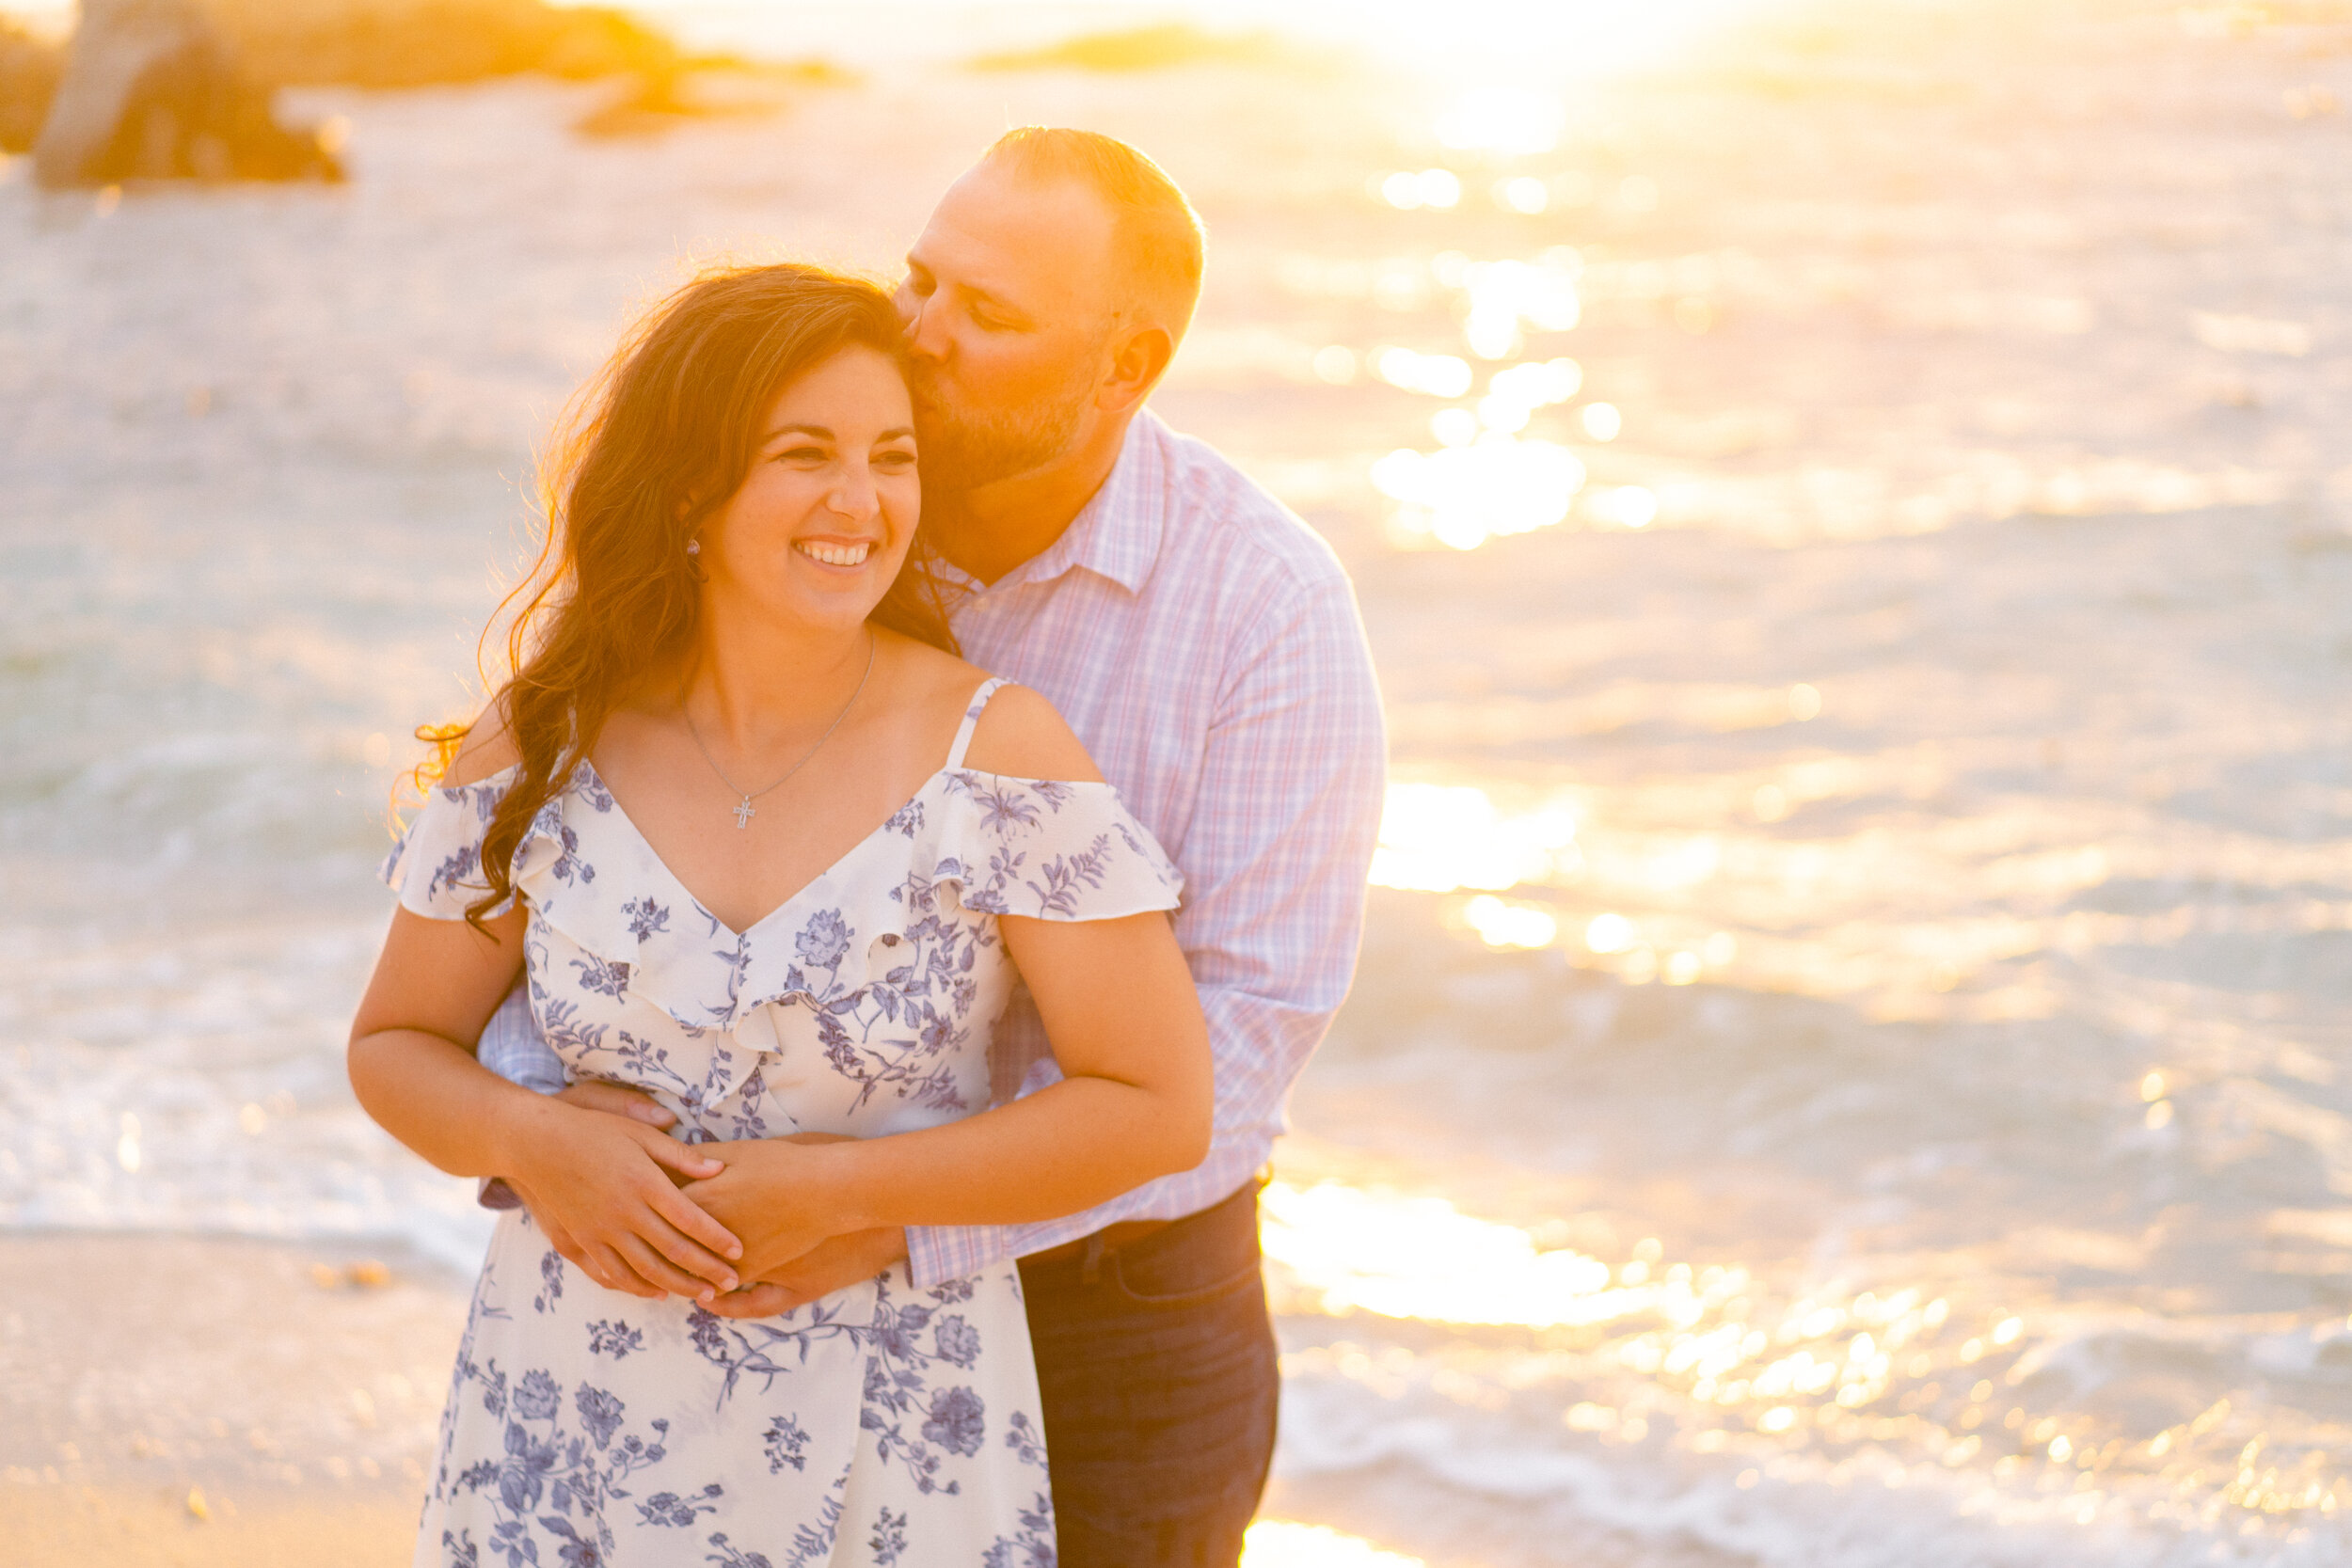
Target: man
<point>1204,643</point>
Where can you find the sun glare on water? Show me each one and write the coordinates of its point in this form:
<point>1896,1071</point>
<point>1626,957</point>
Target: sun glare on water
<point>1437,838</point>
<point>1279,1544</point>
<point>1492,43</point>
<point>1420,1257</point>
<point>1810,1385</point>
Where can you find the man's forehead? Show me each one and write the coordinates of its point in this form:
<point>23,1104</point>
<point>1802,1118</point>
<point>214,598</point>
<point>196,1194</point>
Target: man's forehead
<point>995,231</point>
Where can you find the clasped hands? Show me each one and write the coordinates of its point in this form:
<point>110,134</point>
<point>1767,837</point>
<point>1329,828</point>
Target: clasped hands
<point>724,1224</point>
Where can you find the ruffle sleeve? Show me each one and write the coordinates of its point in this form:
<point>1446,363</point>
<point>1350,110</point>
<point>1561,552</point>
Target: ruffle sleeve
<point>436,868</point>
<point>1050,849</point>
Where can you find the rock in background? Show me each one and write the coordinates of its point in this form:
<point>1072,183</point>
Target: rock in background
<point>180,88</point>
<point>29,69</point>
<point>153,91</point>
<point>410,43</point>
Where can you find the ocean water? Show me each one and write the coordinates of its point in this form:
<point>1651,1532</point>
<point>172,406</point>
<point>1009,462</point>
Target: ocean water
<point>1854,517</point>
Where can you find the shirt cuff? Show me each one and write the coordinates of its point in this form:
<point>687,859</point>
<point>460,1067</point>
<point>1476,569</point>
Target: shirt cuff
<point>938,1253</point>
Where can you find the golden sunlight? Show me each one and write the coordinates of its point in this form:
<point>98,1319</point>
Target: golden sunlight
<point>1279,1544</point>
<point>1399,1256</point>
<point>1439,838</point>
<point>1464,496</point>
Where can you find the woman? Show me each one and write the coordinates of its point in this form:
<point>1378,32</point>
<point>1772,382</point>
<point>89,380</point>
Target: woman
<point>767,851</point>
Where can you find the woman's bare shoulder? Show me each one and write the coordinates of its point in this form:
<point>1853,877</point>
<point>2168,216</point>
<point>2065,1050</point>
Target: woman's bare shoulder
<point>488,749</point>
<point>1022,736</point>
<point>931,670</point>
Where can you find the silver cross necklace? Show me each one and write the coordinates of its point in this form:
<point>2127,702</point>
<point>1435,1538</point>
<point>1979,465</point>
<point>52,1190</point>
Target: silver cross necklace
<point>744,808</point>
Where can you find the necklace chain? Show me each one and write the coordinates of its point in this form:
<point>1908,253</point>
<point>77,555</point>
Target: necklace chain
<point>744,808</point>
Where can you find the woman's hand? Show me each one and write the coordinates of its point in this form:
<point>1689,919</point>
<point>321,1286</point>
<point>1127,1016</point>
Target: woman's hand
<point>780,1195</point>
<point>838,1263</point>
<point>604,1188</point>
<point>604,1185</point>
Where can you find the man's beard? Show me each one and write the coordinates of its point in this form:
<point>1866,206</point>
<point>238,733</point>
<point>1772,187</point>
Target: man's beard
<point>965,446</point>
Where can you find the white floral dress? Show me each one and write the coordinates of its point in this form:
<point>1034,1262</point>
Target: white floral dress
<point>882,1425</point>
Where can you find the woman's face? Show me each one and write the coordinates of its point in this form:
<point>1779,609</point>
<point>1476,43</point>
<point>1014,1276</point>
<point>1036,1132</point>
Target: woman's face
<point>820,525</point>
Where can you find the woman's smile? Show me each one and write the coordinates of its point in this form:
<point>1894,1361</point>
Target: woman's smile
<point>837,553</point>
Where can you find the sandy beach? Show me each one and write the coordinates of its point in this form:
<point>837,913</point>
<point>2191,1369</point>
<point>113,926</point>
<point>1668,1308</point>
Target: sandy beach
<point>177,1400</point>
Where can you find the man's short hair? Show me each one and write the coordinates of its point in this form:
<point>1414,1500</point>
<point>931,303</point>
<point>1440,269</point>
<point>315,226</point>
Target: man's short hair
<point>1157,236</point>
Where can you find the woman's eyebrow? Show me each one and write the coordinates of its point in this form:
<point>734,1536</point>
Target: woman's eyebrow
<point>895,433</point>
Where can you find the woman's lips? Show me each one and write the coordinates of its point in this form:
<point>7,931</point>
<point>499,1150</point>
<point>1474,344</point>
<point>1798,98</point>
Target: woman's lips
<point>828,553</point>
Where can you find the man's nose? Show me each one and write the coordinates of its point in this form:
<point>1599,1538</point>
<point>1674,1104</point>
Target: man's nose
<point>926,336</point>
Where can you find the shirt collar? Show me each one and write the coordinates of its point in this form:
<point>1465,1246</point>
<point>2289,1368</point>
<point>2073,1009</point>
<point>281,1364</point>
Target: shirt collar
<point>1117,533</point>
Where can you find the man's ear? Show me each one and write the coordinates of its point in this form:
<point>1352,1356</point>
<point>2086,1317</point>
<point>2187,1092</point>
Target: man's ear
<point>1137,362</point>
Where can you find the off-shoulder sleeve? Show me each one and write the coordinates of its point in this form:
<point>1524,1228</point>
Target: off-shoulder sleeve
<point>1050,850</point>
<point>436,868</point>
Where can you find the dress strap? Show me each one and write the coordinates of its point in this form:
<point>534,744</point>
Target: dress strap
<point>988,688</point>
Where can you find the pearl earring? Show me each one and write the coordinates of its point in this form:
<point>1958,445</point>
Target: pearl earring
<point>693,546</point>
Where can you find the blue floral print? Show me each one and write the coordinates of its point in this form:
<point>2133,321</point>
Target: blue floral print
<point>605,976</point>
<point>957,1421</point>
<point>1024,1438</point>
<point>958,1341</point>
<point>888,1539</point>
<point>586,1428</point>
<point>824,941</point>
<point>784,1443</point>
<point>613,1337</point>
<point>1032,1546</point>
<point>455,868</point>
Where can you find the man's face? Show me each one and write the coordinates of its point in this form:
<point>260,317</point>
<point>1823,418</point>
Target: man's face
<point>1009,309</point>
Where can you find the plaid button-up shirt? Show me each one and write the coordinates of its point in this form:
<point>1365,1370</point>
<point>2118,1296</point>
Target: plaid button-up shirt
<point>1204,644</point>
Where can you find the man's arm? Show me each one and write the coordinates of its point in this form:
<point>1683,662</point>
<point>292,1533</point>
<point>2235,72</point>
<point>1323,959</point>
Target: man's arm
<point>1275,862</point>
<point>512,1048</point>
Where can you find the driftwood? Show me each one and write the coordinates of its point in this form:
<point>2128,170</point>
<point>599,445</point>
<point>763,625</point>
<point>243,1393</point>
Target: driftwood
<point>152,90</point>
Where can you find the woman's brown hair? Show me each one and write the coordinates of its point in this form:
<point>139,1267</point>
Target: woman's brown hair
<point>649,450</point>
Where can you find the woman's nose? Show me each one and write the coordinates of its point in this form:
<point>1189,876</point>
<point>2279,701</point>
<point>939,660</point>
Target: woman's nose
<point>855,495</point>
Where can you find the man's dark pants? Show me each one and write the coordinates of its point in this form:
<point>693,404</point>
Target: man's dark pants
<point>1156,1361</point>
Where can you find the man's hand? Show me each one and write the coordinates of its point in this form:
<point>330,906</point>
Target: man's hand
<point>832,1265</point>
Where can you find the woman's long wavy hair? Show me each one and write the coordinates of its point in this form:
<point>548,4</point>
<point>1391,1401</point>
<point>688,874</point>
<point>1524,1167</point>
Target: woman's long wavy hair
<point>647,454</point>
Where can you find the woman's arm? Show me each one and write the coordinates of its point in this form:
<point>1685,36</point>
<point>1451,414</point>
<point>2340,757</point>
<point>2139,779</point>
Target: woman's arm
<point>602,1179</point>
<point>1133,1103</point>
